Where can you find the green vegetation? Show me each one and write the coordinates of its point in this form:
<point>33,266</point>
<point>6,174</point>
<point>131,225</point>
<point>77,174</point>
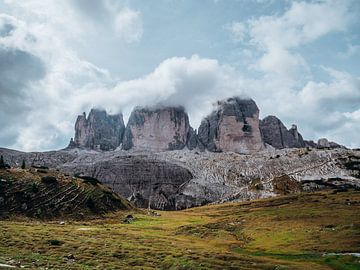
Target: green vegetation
<point>23,165</point>
<point>2,162</point>
<point>289,232</point>
<point>48,194</point>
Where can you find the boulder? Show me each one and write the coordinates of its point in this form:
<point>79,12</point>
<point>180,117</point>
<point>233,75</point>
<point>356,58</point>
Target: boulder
<point>232,126</point>
<point>325,143</point>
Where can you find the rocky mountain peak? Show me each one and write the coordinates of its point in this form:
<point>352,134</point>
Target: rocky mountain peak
<point>98,131</point>
<point>158,129</point>
<point>232,126</point>
<point>277,135</point>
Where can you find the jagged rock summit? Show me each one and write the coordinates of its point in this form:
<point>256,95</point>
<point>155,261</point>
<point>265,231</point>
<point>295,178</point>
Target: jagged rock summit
<point>277,135</point>
<point>159,129</point>
<point>99,131</point>
<point>233,126</point>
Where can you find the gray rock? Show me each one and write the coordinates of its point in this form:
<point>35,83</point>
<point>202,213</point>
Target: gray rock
<point>141,178</point>
<point>159,129</point>
<point>276,134</point>
<point>99,131</point>
<point>233,126</point>
<point>325,143</point>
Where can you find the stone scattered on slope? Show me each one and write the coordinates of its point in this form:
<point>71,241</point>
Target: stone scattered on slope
<point>233,126</point>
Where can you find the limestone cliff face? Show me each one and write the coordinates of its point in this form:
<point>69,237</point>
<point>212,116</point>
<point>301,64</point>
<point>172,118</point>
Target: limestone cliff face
<point>159,129</point>
<point>233,126</point>
<point>276,134</point>
<point>98,131</point>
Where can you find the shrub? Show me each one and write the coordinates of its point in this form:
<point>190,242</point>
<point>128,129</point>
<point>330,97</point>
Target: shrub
<point>90,180</point>
<point>3,165</point>
<point>23,165</point>
<point>34,188</point>
<point>90,203</point>
<point>48,179</point>
<point>55,242</point>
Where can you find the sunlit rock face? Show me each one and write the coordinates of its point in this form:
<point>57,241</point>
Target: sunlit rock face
<point>233,126</point>
<point>98,131</point>
<point>159,129</point>
<point>277,135</point>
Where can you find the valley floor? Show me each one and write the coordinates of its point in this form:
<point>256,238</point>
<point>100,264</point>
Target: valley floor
<point>290,232</point>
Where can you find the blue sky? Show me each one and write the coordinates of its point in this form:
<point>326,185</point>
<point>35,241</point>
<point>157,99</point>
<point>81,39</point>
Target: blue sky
<point>299,60</point>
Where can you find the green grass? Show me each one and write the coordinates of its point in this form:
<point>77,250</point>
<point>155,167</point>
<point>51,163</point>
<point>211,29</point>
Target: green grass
<point>290,232</point>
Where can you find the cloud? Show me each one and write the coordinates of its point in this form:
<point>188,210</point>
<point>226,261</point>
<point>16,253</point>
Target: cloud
<point>304,22</point>
<point>350,51</point>
<point>277,36</point>
<point>194,82</point>
<point>47,83</point>
<point>238,31</point>
<point>286,87</point>
<point>59,85</point>
<point>128,25</point>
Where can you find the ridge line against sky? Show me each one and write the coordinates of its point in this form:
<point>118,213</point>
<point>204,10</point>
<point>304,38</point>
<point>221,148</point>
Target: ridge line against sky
<point>299,60</point>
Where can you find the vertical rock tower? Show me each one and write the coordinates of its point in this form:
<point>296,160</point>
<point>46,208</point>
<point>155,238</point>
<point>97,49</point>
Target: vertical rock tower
<point>233,126</point>
<point>98,131</point>
<point>276,134</point>
<point>159,129</point>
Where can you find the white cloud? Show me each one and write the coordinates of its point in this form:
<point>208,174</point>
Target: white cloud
<point>286,88</point>
<point>195,83</point>
<point>238,31</point>
<point>303,23</point>
<point>71,84</point>
<point>277,36</point>
<point>350,51</point>
<point>128,25</point>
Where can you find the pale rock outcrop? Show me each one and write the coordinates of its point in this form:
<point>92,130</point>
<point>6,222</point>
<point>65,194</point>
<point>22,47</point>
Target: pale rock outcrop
<point>325,143</point>
<point>159,129</point>
<point>98,131</point>
<point>233,126</point>
<point>276,134</point>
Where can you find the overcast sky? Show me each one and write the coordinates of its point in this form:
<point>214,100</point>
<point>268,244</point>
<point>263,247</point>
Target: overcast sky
<point>299,60</point>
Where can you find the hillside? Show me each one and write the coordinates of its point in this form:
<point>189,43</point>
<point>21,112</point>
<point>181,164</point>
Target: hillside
<point>44,193</point>
<point>299,231</point>
<point>181,179</point>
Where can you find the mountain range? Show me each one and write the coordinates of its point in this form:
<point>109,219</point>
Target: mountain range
<point>158,160</point>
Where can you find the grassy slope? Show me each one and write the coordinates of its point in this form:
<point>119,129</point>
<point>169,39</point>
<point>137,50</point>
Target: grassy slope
<point>290,232</point>
<point>23,192</point>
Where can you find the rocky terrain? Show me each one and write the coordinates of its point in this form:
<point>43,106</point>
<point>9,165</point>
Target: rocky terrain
<point>160,161</point>
<point>181,179</point>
